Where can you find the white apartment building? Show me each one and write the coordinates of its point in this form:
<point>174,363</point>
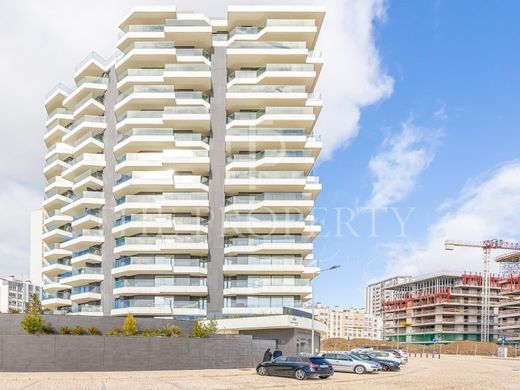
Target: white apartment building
<point>15,294</point>
<point>377,293</point>
<point>350,323</point>
<point>179,171</point>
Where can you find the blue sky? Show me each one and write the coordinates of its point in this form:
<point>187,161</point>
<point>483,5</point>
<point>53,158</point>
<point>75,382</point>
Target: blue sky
<point>456,76</point>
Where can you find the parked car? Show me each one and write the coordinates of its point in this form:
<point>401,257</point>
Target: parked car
<point>386,356</point>
<point>362,350</point>
<point>399,353</point>
<point>299,367</point>
<point>386,365</point>
<point>348,363</point>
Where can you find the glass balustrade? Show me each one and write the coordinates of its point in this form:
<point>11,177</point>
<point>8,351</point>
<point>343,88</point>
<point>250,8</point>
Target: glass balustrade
<point>140,115</point>
<point>82,271</point>
<point>161,260</point>
<point>56,295</point>
<point>146,89</point>
<point>89,195</point>
<point>94,174</point>
<point>92,80</point>
<point>262,302</point>
<point>163,175</point>
<point>277,260</point>
<point>86,308</point>
<point>268,196</point>
<point>264,217</point>
<point>167,304</point>
<point>161,218</point>
<point>56,88</point>
<point>99,99</point>
<point>267,89</point>
<point>259,240</point>
<point>186,22</point>
<point>86,289</point>
<point>248,175</point>
<point>175,196</point>
<point>143,28</point>
<point>259,283</point>
<point>88,251</point>
<point>98,137</point>
<point>162,156</point>
<point>89,212</point>
<point>267,45</point>
<point>162,240</point>
<point>187,68</point>
<point>149,46</point>
<point>160,282</point>
<point>246,157</point>
<point>61,111</point>
<point>87,118</point>
<point>265,132</point>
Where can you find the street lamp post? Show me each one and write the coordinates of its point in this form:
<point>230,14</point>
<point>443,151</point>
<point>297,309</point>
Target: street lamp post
<point>312,303</point>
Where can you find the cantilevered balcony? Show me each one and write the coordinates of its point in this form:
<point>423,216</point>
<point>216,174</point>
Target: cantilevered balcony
<point>259,305</point>
<point>156,54</point>
<point>128,225</point>
<point>270,181</point>
<point>91,179</point>
<point>54,218</point>
<point>279,29</point>
<point>161,285</point>
<point>183,76</point>
<point>257,139</point>
<point>54,166</point>
<point>277,117</point>
<point>86,86</point>
<point>82,276</point>
<point>54,98</point>
<point>268,244</point>
<point>53,284</point>
<point>88,219</point>
<point>269,265</point>
<point>54,300</point>
<point>58,150</point>
<point>54,252</point>
<point>197,245</point>
<point>158,139</point>
<point>53,268</point>
<point>90,255</point>
<point>180,117</point>
<point>173,202</point>
<point>196,161</point>
<point>91,142</point>
<point>55,131</point>
<point>84,125</point>
<point>159,264</point>
<point>56,234</point>
<point>241,97</point>
<point>57,198</point>
<point>84,200</point>
<point>86,293</point>
<point>268,285</point>
<point>168,306</point>
<point>189,30</point>
<point>157,96</point>
<point>59,115</point>
<point>239,224</point>
<point>84,238</point>
<point>84,163</point>
<point>156,181</point>
<point>57,184</point>
<point>281,74</point>
<point>273,202</point>
<point>87,309</point>
<point>276,160</point>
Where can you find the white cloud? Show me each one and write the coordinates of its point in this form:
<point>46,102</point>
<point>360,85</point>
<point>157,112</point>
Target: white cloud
<point>352,76</point>
<point>44,40</point>
<point>486,209</point>
<point>395,169</point>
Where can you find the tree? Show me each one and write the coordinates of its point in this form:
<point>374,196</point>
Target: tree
<point>130,325</point>
<point>32,322</point>
<point>202,329</point>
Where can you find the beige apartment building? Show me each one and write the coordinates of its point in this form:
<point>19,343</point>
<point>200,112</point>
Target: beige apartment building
<point>349,323</point>
<point>179,171</point>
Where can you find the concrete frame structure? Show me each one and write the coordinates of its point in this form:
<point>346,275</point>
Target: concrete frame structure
<point>15,294</point>
<point>377,293</point>
<point>179,171</point>
<point>441,307</point>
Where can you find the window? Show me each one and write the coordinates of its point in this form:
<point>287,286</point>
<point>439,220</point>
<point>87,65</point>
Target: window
<point>294,359</point>
<point>280,359</point>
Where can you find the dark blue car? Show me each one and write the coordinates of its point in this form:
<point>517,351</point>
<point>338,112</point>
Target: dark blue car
<point>299,367</point>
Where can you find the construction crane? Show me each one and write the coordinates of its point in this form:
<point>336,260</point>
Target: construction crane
<point>486,246</point>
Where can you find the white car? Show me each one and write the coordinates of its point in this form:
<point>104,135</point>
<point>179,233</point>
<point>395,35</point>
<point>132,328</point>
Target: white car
<point>362,350</point>
<point>386,356</point>
<point>345,363</point>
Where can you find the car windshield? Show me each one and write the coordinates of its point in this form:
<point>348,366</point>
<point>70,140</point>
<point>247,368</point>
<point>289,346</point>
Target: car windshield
<point>280,359</point>
<point>355,357</point>
<point>363,357</point>
<point>318,360</point>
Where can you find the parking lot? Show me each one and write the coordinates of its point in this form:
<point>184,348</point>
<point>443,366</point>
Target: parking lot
<point>449,372</point>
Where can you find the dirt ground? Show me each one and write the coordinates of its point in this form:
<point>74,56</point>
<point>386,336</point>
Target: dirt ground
<point>449,372</point>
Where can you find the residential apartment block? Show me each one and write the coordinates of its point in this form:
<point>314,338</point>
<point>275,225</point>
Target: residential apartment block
<point>15,294</point>
<point>179,172</point>
<point>509,307</point>
<point>350,323</point>
<point>443,307</point>
<point>377,293</point>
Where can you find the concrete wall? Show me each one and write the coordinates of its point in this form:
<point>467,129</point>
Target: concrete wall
<point>99,353</point>
<point>10,323</point>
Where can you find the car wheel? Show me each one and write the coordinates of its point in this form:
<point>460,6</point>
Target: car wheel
<point>262,371</point>
<point>324,377</point>
<point>359,370</point>
<point>385,368</point>
<point>299,374</point>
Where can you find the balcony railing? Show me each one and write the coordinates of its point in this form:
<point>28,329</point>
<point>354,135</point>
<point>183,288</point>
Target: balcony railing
<point>161,260</point>
<point>268,196</point>
<point>162,239</point>
<point>264,218</point>
<point>163,175</point>
<point>56,295</point>
<point>270,260</point>
<point>283,45</point>
<point>166,197</point>
<point>259,240</point>
<point>248,157</point>
<point>149,303</point>
<point>265,175</point>
<point>267,89</point>
<point>161,218</point>
<point>88,251</point>
<point>86,289</point>
<point>82,271</point>
<point>248,115</point>
<point>160,156</point>
<point>246,74</point>
<point>259,283</point>
<point>179,136</point>
<point>160,282</point>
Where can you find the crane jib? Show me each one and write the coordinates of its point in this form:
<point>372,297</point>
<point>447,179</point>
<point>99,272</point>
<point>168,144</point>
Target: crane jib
<point>500,244</point>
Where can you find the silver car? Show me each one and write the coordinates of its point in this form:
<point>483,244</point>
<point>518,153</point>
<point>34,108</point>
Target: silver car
<point>345,363</point>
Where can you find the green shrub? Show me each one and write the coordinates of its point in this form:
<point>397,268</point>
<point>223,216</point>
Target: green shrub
<point>202,329</point>
<point>34,306</point>
<point>151,332</point>
<point>114,332</point>
<point>93,331</point>
<point>171,330</point>
<point>77,330</point>
<point>13,311</point>
<point>32,324</point>
<point>48,329</point>
<point>130,325</point>
<point>64,330</point>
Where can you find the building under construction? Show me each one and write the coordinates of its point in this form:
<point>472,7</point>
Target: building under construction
<point>442,307</point>
<point>509,308</point>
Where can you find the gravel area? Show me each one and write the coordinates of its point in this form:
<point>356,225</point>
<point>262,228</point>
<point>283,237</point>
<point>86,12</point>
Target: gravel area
<point>449,372</point>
